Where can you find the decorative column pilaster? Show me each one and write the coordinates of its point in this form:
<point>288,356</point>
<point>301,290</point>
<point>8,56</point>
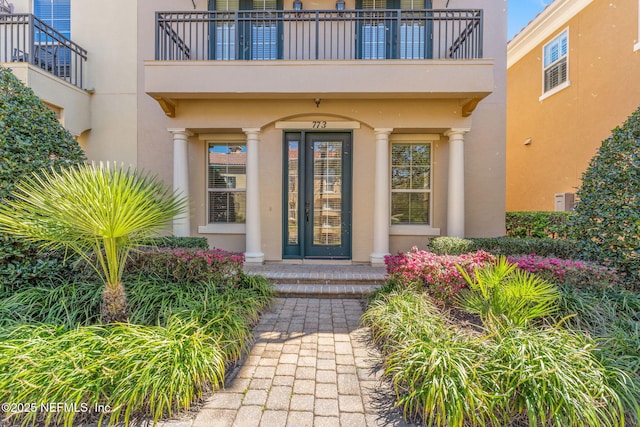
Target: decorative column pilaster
<point>181,223</point>
<point>455,197</point>
<point>253,243</point>
<point>381,208</point>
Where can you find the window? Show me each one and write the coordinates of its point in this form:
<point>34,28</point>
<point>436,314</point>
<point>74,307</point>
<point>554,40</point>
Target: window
<point>555,61</point>
<point>55,13</point>
<point>411,183</point>
<point>227,182</point>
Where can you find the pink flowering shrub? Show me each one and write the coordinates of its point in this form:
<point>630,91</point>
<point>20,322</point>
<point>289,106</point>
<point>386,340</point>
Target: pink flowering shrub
<point>567,271</point>
<point>438,273</point>
<point>189,265</point>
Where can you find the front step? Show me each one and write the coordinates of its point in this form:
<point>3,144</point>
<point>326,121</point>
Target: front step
<point>331,290</point>
<point>321,280</point>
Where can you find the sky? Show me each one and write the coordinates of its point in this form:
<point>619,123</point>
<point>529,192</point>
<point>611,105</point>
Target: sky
<point>521,12</point>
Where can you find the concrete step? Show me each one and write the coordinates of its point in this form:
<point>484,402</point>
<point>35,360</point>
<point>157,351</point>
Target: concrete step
<point>331,290</point>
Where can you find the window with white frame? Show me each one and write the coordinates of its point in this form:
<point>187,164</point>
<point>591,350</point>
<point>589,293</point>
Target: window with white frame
<point>556,54</point>
<point>55,13</point>
<point>411,183</point>
<point>227,182</point>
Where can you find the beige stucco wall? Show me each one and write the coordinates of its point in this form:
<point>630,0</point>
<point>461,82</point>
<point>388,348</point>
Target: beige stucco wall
<point>107,30</point>
<point>567,128</point>
<point>484,144</point>
<point>70,103</point>
<point>128,125</point>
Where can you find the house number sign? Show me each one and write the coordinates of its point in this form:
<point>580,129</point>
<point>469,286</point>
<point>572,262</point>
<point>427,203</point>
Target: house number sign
<point>318,124</point>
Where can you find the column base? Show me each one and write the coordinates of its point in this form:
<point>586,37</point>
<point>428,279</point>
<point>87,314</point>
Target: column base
<point>253,258</point>
<point>377,260</point>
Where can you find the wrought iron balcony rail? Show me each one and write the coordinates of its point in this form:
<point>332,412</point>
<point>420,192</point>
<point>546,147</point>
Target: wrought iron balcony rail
<point>319,35</point>
<point>25,38</point>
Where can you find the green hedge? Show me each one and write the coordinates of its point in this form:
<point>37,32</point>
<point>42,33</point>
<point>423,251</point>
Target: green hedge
<point>173,242</point>
<point>560,248</point>
<point>538,224</point>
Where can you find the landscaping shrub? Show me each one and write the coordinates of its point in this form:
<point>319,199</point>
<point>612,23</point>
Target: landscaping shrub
<point>565,249</point>
<point>61,303</point>
<point>541,224</point>
<point>437,273</point>
<point>505,296</point>
<point>612,317</point>
<point>191,334</point>
<point>582,274</point>
<point>31,139</point>
<point>447,374</point>
<point>100,212</point>
<point>190,266</point>
<point>607,214</point>
<point>174,242</point>
<point>132,370</point>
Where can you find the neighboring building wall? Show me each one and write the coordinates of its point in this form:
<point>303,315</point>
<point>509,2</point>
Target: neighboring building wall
<point>566,128</point>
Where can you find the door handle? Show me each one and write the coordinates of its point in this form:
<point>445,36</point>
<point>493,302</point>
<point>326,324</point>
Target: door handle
<point>306,211</point>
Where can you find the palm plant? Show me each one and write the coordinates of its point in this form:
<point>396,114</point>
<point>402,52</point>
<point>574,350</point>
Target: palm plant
<point>503,295</point>
<point>101,212</point>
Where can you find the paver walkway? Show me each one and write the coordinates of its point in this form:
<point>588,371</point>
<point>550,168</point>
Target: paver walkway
<point>311,366</point>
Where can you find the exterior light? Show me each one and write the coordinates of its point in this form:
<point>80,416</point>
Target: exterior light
<point>297,5</point>
<point>340,5</point>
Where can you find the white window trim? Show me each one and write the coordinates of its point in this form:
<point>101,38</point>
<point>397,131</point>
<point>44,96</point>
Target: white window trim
<point>222,228</point>
<point>555,90</point>
<point>567,82</point>
<point>636,47</point>
<point>219,227</point>
<point>414,229</point>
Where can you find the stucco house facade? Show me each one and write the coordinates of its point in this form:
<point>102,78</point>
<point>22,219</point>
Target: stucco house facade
<point>572,77</point>
<point>299,130</point>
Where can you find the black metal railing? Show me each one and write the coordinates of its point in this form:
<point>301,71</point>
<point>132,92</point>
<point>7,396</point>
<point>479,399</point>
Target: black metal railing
<point>319,35</point>
<point>25,38</point>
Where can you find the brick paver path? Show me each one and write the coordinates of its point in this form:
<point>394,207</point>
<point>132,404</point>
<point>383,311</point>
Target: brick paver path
<point>311,366</point>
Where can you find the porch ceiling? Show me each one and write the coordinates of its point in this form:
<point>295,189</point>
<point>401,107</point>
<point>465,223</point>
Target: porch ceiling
<point>468,80</point>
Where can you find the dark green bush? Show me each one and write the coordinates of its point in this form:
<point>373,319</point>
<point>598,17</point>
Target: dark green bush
<point>538,224</point>
<point>31,139</point>
<point>174,242</point>
<point>565,249</point>
<point>607,216</point>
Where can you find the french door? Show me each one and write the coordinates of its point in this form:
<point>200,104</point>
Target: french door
<point>383,34</point>
<point>317,195</point>
<point>238,34</point>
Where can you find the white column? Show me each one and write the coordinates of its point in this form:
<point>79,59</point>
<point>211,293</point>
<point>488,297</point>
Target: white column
<point>181,223</point>
<point>253,247</point>
<point>455,197</point>
<point>381,208</point>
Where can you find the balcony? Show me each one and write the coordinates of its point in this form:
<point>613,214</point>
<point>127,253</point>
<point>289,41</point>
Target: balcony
<point>25,38</point>
<point>330,54</point>
<point>319,35</point>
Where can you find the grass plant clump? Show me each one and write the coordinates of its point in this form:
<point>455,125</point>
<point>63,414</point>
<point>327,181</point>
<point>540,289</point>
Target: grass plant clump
<point>180,342</point>
<point>512,365</point>
<point>131,370</point>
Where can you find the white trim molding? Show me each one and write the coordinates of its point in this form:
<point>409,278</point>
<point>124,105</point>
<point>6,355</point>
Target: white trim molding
<point>548,22</point>
<point>636,47</point>
<point>555,90</point>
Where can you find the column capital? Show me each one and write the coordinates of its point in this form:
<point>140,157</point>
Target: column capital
<point>457,131</point>
<point>383,131</point>
<point>183,131</point>
<point>251,131</point>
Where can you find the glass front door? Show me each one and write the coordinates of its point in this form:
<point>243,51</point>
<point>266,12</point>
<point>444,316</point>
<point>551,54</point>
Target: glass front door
<point>317,195</point>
